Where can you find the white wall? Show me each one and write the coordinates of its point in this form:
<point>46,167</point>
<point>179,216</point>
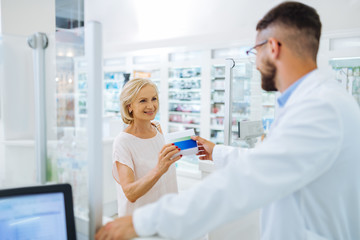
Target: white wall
<point>136,24</point>
<point>19,19</point>
<point>23,17</point>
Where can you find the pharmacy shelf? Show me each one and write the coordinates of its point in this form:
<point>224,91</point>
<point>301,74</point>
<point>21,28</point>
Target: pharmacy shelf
<point>184,125</point>
<point>217,115</point>
<point>184,78</point>
<point>217,102</point>
<point>217,127</point>
<point>184,113</point>
<point>185,101</point>
<point>221,128</point>
<point>184,90</point>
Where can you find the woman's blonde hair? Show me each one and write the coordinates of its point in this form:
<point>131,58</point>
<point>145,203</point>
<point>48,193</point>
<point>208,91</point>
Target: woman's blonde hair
<point>128,95</point>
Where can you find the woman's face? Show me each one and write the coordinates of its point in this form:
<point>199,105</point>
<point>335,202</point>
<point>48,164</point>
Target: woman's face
<point>145,105</point>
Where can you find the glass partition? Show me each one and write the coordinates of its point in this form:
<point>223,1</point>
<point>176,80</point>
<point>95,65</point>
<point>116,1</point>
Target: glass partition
<point>18,165</point>
<point>245,101</point>
<point>70,145</point>
<point>73,135</point>
<point>66,145</point>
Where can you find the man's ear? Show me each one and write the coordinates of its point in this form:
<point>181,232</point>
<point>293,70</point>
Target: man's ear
<point>275,47</point>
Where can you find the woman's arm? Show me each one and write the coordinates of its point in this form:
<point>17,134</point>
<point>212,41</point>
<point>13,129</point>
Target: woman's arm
<point>134,189</point>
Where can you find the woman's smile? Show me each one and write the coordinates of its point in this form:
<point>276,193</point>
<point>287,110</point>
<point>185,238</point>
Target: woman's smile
<point>149,112</point>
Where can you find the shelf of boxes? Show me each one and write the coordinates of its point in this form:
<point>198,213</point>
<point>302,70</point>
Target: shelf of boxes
<point>184,98</point>
<point>347,73</point>
<point>268,109</point>
<point>113,83</point>
<point>217,103</point>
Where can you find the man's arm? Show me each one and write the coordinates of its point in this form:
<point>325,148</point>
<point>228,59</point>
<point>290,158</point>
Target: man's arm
<point>119,229</point>
<point>219,154</point>
<point>302,148</point>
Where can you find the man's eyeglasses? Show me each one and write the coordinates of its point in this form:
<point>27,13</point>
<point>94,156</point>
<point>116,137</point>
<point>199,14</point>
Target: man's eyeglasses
<point>252,51</point>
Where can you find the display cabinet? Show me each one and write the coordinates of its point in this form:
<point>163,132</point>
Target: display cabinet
<point>113,83</point>
<point>184,99</point>
<point>347,73</point>
<point>217,110</point>
<point>65,99</point>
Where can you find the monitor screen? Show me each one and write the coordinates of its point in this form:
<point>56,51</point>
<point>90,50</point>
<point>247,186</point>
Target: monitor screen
<point>34,216</point>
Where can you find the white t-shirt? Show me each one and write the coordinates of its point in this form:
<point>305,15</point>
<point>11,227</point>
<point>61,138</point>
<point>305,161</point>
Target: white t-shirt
<point>141,155</point>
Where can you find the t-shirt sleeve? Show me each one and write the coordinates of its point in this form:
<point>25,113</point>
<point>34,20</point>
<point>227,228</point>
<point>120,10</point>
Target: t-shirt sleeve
<point>121,154</point>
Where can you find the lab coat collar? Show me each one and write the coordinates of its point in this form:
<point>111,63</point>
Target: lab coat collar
<point>284,97</point>
<point>313,79</point>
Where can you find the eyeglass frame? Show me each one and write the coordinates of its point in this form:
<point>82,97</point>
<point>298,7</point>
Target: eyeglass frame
<point>254,47</point>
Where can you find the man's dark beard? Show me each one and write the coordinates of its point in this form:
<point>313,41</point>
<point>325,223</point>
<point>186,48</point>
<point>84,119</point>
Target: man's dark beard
<point>268,77</point>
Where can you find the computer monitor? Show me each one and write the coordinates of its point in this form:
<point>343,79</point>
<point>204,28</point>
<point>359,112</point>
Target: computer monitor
<point>40,212</point>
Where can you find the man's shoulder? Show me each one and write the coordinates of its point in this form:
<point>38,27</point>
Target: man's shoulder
<point>323,86</point>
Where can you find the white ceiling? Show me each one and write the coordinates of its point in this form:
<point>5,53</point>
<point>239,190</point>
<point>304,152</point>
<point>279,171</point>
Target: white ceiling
<point>143,23</point>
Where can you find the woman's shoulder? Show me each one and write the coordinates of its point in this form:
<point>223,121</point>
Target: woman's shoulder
<point>122,138</point>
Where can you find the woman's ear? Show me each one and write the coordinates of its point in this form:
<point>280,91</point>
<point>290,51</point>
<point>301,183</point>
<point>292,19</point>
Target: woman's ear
<point>129,108</point>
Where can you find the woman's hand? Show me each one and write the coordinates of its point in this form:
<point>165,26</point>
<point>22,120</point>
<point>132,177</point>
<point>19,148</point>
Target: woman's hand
<point>166,157</point>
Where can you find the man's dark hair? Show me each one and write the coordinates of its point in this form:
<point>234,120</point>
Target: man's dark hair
<point>299,17</point>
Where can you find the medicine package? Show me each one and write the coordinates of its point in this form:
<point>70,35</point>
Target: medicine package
<point>182,139</point>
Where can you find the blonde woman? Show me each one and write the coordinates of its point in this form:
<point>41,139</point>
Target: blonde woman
<point>142,164</point>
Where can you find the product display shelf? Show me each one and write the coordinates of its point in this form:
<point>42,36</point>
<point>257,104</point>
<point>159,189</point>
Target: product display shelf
<point>347,73</point>
<point>217,104</point>
<point>268,109</point>
<point>113,83</point>
<point>184,98</point>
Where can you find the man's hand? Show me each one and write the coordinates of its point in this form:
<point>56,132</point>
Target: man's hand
<point>119,229</point>
<point>205,148</point>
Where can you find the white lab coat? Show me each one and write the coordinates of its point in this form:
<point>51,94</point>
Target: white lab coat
<point>305,176</point>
